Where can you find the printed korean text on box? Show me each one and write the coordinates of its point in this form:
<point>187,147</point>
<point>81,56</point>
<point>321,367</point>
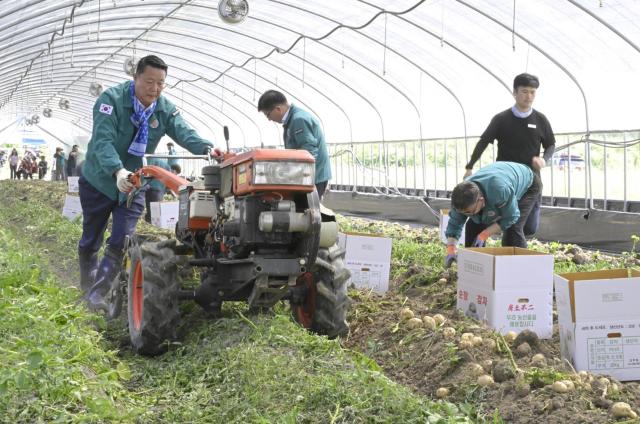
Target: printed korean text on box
<point>507,288</point>
<point>599,321</point>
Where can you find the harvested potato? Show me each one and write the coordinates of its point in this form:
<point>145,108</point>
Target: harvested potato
<point>489,343</point>
<point>510,336</point>
<point>440,319</point>
<point>559,387</point>
<point>406,314</point>
<point>487,364</point>
<point>465,344</point>
<point>538,360</point>
<point>623,410</point>
<point>477,370</point>
<point>449,332</point>
<point>429,322</point>
<point>414,323</point>
<point>485,380</point>
<point>467,336</point>
<point>442,281</point>
<point>442,393</point>
<point>477,341</point>
<point>570,385</point>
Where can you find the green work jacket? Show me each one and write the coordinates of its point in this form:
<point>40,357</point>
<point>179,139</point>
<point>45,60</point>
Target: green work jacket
<point>502,184</point>
<point>303,131</point>
<point>113,132</point>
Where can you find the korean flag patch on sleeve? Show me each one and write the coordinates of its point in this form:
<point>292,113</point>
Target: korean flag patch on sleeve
<point>106,109</point>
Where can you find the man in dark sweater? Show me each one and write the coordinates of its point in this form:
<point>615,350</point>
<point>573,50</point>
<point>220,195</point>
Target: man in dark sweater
<point>520,131</point>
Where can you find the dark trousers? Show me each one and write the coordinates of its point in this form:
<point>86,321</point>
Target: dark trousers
<point>531,226</point>
<point>514,235</point>
<point>13,169</point>
<point>96,210</point>
<point>151,195</point>
<point>320,188</point>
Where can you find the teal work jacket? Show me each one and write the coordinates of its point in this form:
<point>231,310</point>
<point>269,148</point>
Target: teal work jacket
<point>502,185</point>
<point>303,131</point>
<point>113,132</point>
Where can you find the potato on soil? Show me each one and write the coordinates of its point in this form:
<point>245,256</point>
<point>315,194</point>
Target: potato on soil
<point>465,344</point>
<point>477,341</point>
<point>477,370</point>
<point>406,314</point>
<point>440,319</point>
<point>538,360</point>
<point>449,332</point>
<point>442,393</point>
<point>510,336</point>
<point>485,380</point>
<point>623,410</point>
<point>559,387</point>
<point>414,323</point>
<point>429,322</point>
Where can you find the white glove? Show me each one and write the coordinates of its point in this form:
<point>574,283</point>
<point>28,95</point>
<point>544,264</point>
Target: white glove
<point>122,181</point>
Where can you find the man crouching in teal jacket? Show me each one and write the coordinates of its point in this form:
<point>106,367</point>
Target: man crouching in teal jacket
<point>499,197</point>
<point>128,121</point>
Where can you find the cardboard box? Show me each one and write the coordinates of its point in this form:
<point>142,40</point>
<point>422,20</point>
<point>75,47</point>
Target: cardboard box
<point>599,321</point>
<point>72,183</point>
<point>444,221</point>
<point>164,214</point>
<point>507,288</point>
<point>72,207</point>
<point>369,260</point>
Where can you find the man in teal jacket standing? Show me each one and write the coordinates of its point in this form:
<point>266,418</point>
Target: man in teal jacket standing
<point>301,131</point>
<point>128,121</point>
<point>499,197</point>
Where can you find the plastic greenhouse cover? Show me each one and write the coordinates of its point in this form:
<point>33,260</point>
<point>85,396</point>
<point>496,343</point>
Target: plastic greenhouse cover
<point>369,70</point>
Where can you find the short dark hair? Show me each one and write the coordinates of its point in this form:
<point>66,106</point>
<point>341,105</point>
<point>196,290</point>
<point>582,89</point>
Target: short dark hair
<point>151,60</point>
<point>270,99</point>
<point>525,80</point>
<point>464,195</point>
<point>175,167</point>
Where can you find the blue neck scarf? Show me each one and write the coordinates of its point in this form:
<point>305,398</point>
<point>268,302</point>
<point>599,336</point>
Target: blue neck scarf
<point>140,120</point>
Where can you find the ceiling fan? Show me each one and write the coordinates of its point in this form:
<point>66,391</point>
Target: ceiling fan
<point>95,88</point>
<point>129,66</point>
<point>233,11</point>
<point>64,104</point>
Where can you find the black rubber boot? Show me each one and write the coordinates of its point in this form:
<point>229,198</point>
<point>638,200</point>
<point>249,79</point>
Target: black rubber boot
<point>88,262</point>
<point>109,267</point>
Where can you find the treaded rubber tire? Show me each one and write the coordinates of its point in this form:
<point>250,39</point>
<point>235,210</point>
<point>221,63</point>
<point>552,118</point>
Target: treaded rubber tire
<point>153,308</point>
<point>326,310</point>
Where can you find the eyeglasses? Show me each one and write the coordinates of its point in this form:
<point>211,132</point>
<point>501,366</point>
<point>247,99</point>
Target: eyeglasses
<point>268,114</point>
<point>473,209</point>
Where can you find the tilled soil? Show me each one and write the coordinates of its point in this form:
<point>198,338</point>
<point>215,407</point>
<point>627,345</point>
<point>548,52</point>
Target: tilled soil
<point>427,359</point>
